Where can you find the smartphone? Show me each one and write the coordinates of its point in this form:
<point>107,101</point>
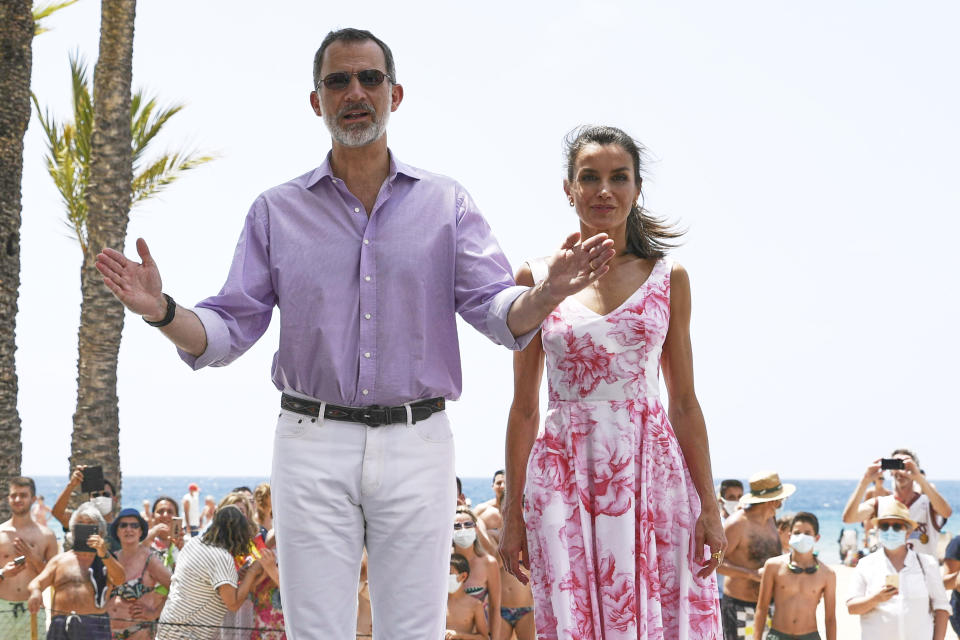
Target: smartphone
<point>80,534</point>
<point>92,479</point>
<point>893,580</point>
<point>20,560</point>
<point>891,463</point>
<point>176,526</point>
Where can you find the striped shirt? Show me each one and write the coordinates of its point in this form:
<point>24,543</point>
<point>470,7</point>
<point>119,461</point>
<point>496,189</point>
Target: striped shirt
<point>201,569</point>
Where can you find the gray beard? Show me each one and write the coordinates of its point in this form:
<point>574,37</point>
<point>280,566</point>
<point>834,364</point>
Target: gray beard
<point>356,136</point>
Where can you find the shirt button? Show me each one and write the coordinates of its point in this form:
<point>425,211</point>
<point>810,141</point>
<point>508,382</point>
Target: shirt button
<point>356,209</point>
<point>365,241</point>
<point>367,278</point>
<point>364,392</point>
<point>366,316</point>
<point>366,355</point>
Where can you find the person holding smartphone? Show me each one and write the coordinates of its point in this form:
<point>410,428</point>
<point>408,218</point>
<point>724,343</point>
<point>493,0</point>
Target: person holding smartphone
<point>928,509</point>
<point>88,479</point>
<point>897,592</point>
<point>81,579</point>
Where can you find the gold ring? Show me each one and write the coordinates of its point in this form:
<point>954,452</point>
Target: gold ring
<point>717,556</point>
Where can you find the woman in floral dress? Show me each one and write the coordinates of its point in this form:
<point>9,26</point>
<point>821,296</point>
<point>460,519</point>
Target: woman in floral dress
<point>611,505</point>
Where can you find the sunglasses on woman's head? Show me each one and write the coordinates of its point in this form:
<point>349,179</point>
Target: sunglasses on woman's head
<point>463,525</point>
<point>896,527</point>
<point>339,80</point>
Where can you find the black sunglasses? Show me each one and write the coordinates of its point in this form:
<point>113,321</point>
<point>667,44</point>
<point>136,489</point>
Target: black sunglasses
<point>886,525</point>
<point>338,80</point>
<point>128,525</point>
<point>101,494</point>
<point>463,525</point>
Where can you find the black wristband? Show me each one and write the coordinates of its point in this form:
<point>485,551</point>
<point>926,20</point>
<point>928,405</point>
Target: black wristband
<point>168,317</point>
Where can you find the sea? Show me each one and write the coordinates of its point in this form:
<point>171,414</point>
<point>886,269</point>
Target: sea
<point>824,498</point>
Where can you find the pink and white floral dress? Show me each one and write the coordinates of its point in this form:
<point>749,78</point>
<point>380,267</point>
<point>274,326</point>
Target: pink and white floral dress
<point>609,504</point>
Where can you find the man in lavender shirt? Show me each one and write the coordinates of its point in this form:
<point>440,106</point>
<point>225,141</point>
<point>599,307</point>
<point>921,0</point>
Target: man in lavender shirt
<point>369,261</point>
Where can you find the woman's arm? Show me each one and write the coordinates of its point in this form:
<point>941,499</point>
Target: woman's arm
<point>687,419</point>
<point>234,597</point>
<point>522,425</point>
<point>159,572</point>
<point>59,510</point>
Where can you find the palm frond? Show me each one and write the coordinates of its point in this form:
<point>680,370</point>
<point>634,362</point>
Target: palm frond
<point>164,171</point>
<point>39,13</point>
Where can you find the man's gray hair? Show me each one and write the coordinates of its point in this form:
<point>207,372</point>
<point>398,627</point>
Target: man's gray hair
<point>89,512</point>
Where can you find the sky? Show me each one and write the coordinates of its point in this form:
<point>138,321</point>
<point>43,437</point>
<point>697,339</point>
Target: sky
<point>810,150</point>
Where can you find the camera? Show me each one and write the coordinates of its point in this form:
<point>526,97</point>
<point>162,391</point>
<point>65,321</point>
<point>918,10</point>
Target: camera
<point>891,463</point>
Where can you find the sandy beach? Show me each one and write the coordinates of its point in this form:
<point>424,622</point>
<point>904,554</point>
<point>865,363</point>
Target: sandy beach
<point>848,627</point>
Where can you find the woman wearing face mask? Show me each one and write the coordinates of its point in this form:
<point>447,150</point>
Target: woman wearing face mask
<point>898,593</point>
<point>484,581</point>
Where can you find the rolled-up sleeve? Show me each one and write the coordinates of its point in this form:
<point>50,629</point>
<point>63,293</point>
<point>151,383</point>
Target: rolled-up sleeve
<point>235,318</point>
<point>484,287</point>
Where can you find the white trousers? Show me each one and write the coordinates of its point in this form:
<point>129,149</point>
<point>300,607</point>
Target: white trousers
<point>337,486</point>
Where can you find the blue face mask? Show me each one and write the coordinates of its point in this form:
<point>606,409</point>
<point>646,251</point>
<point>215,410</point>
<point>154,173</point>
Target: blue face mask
<point>892,540</point>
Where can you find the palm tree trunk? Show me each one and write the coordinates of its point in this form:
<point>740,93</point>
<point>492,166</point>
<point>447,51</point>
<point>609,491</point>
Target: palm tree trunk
<point>96,424</point>
<point>16,57</point>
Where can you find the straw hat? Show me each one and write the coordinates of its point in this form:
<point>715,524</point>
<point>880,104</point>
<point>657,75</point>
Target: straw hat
<point>889,508</point>
<point>765,486</point>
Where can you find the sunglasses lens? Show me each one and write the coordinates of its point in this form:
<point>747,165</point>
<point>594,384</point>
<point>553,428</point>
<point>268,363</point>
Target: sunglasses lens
<point>337,81</point>
<point>370,77</point>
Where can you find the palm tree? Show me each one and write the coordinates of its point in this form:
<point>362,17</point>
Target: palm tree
<point>16,57</point>
<point>70,149</point>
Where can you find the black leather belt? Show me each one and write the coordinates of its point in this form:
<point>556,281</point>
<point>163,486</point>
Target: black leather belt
<point>372,416</point>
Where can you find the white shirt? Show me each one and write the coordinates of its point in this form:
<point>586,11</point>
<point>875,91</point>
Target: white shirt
<point>906,616</point>
<point>193,509</point>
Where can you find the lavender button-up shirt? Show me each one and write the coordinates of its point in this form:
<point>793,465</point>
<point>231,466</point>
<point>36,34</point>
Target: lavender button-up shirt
<point>367,305</point>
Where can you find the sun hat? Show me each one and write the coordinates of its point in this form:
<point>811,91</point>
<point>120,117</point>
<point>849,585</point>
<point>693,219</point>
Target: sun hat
<point>193,487</point>
<point>765,486</point>
<point>129,513</point>
<point>889,508</point>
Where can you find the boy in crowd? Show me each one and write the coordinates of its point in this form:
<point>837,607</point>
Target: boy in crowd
<point>797,581</point>
<point>465,617</point>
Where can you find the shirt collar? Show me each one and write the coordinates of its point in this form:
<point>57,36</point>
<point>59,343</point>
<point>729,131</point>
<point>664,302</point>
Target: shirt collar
<point>396,167</point>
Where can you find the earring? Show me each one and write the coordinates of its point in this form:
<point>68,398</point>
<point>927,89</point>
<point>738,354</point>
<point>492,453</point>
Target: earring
<point>571,202</point>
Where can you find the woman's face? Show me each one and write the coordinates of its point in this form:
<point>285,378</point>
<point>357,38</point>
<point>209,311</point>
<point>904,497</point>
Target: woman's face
<point>603,188</point>
<point>128,530</point>
<point>164,512</point>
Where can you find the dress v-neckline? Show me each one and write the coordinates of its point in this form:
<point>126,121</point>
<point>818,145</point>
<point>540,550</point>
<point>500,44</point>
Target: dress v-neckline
<point>629,298</point>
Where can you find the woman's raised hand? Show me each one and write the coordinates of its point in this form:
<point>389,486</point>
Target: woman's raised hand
<point>136,284</point>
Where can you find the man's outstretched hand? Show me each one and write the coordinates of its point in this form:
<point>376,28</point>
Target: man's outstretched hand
<point>136,284</point>
<point>576,264</point>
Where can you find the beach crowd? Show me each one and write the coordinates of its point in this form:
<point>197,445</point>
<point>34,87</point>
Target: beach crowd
<point>194,567</point>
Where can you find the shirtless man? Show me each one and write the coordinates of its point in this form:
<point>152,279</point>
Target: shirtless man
<point>21,537</point>
<point>465,617</point>
<point>752,539</point>
<point>81,581</point>
<point>797,581</point>
<point>489,511</point>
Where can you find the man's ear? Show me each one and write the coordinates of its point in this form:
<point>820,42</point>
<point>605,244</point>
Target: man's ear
<point>315,103</point>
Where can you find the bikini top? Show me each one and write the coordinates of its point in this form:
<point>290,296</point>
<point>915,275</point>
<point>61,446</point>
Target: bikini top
<point>133,589</point>
<point>479,592</point>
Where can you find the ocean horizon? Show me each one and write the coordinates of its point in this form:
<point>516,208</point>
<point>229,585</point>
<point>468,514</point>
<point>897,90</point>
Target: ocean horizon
<point>824,498</point>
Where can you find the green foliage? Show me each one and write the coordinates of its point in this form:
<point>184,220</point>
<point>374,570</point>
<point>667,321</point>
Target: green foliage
<point>39,13</point>
<point>68,149</point>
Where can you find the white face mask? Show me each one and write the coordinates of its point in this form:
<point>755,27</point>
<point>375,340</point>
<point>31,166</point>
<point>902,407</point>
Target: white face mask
<point>802,542</point>
<point>453,583</point>
<point>730,506</point>
<point>463,538</point>
<point>103,504</point>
